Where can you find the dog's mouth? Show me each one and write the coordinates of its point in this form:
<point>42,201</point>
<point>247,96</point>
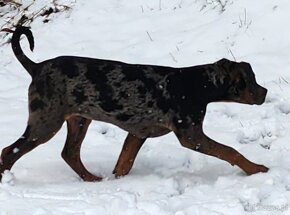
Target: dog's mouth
<point>252,97</point>
<point>256,98</point>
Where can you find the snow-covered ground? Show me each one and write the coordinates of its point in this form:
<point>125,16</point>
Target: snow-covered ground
<point>166,178</point>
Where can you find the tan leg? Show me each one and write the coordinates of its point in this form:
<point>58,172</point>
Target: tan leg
<point>37,132</point>
<point>128,154</point>
<point>196,140</point>
<point>77,129</point>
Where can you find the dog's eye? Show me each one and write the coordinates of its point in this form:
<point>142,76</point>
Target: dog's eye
<point>241,84</point>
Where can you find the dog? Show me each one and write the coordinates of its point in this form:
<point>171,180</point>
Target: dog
<point>144,100</point>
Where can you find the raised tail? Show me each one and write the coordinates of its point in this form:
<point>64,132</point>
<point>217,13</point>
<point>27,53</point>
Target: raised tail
<point>23,59</point>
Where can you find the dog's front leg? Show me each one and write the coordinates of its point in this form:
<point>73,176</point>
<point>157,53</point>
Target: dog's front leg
<point>128,154</point>
<point>194,138</point>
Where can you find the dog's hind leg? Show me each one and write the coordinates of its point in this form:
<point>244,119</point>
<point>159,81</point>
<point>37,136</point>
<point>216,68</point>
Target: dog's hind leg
<point>39,130</point>
<point>195,139</point>
<point>77,127</point>
<point>128,154</point>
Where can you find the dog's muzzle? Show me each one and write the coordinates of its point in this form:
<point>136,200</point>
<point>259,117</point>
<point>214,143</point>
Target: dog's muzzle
<point>261,95</point>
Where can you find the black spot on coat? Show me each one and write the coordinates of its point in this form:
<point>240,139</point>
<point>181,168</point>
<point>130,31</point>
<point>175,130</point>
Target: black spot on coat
<point>36,104</point>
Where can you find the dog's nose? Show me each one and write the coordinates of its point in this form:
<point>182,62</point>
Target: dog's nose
<point>265,91</point>
<point>261,95</point>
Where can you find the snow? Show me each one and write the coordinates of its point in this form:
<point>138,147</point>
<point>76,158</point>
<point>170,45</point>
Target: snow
<point>166,179</point>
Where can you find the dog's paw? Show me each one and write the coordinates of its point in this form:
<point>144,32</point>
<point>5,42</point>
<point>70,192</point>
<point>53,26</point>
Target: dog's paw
<point>257,169</point>
<point>122,170</point>
<point>91,178</point>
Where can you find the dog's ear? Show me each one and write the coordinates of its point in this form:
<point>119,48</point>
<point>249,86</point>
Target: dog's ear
<point>218,73</point>
<point>223,62</point>
<point>246,66</point>
<point>225,65</point>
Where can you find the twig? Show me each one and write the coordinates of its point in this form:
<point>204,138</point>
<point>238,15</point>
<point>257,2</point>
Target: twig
<point>142,8</point>
<point>232,54</point>
<point>223,6</point>
<point>173,58</point>
<point>245,16</point>
<point>11,18</point>
<point>284,80</point>
<point>5,2</point>
<point>241,124</point>
<point>149,36</point>
<point>244,23</point>
<point>180,4</point>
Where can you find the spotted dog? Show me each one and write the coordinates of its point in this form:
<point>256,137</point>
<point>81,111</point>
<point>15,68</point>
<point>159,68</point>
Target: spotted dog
<point>144,100</point>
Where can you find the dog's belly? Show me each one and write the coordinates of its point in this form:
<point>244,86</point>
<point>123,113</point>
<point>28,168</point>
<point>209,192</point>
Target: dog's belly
<point>141,126</point>
<point>144,131</point>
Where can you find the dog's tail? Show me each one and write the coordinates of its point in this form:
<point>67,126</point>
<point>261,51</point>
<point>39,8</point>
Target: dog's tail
<point>23,59</point>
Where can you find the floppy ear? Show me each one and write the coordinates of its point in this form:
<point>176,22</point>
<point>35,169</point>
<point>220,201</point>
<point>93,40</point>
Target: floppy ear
<point>222,70</point>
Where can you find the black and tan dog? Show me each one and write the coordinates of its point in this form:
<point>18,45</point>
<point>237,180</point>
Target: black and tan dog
<point>145,100</point>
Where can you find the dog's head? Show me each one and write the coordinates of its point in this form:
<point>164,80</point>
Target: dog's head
<point>242,86</point>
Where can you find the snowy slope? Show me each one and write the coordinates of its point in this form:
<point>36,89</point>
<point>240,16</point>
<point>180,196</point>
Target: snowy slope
<point>166,178</point>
